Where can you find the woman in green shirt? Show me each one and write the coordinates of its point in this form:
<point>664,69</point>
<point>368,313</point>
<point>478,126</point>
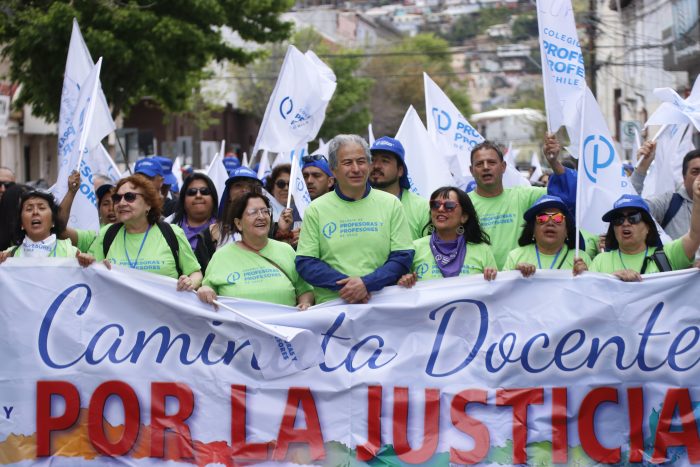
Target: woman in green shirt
<point>254,267</point>
<point>37,229</point>
<point>140,241</point>
<point>548,240</point>
<point>457,246</point>
<point>633,243</point>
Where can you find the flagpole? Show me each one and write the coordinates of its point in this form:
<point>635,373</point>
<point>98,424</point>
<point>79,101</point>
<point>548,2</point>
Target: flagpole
<point>581,160</point>
<point>88,118</point>
<point>658,133</point>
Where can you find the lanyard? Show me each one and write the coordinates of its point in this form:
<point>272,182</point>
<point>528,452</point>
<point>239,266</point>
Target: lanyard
<point>619,253</point>
<point>539,264</point>
<point>133,265</point>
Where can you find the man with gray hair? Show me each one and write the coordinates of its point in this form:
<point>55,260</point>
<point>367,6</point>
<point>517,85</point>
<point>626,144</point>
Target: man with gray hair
<point>7,179</point>
<point>354,240</point>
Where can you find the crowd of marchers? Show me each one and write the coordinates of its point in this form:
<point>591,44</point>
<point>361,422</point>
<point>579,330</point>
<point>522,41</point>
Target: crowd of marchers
<point>363,230</point>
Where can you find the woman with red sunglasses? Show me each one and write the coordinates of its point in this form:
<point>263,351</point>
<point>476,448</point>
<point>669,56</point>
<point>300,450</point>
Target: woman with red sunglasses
<point>456,246</point>
<point>548,240</point>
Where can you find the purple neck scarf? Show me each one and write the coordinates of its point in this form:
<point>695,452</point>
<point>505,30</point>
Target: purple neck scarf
<point>449,256</point>
<point>192,232</point>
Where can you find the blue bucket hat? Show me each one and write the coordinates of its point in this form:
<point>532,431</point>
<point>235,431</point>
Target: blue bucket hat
<point>231,163</point>
<point>241,173</point>
<point>317,160</point>
<point>544,202</point>
<point>149,167</point>
<point>168,176</point>
<point>627,202</point>
<point>393,146</point>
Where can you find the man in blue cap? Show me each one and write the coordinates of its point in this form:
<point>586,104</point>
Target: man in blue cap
<point>168,176</point>
<point>151,168</point>
<point>317,175</point>
<point>390,174</point>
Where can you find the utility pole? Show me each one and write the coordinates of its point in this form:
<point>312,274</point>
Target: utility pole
<point>591,32</point>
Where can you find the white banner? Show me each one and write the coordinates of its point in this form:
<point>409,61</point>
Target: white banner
<point>676,110</point>
<point>540,370</point>
<point>427,167</point>
<point>297,106</point>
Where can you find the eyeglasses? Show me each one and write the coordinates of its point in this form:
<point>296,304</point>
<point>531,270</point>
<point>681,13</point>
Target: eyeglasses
<point>448,206</point>
<point>313,158</point>
<point>129,197</point>
<point>6,184</point>
<point>204,191</point>
<point>281,184</point>
<point>557,218</point>
<point>633,219</point>
<point>255,212</point>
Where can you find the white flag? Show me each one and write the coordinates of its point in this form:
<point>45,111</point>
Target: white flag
<point>563,73</point>
<point>297,185</point>
<point>264,166</point>
<point>666,171</point>
<point>322,150</point>
<point>370,134</point>
<point>177,171</point>
<point>453,135</point>
<point>676,110</point>
<point>535,163</point>
<point>218,174</point>
<point>427,168</point>
<point>512,176</point>
<point>297,106</point>
<point>245,162</point>
<point>601,179</point>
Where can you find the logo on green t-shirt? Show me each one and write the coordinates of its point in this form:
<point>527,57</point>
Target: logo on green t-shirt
<point>233,277</point>
<point>329,229</point>
<point>421,269</point>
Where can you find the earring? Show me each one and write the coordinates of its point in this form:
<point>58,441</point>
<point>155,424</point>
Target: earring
<point>431,228</point>
<point>460,230</point>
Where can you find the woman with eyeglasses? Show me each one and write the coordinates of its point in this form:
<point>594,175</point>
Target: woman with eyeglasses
<point>633,244</point>
<point>141,241</point>
<point>196,211</point>
<point>548,240</point>
<point>457,246</point>
<point>37,228</point>
<point>255,267</point>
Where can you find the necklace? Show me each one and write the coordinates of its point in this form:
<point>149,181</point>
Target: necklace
<point>619,253</point>
<point>539,264</point>
<point>126,251</point>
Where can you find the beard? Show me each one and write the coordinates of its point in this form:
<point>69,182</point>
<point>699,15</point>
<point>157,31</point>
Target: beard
<point>382,183</point>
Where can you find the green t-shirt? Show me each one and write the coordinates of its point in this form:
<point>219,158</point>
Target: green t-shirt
<point>615,260</point>
<point>85,239</point>
<point>478,257</point>
<point>502,217</point>
<point>64,249</point>
<point>155,256</point>
<point>591,240</point>
<point>353,237</point>
<point>527,254</point>
<point>417,212</point>
<point>235,272</point>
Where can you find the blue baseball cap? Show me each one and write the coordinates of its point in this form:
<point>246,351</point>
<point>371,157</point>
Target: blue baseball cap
<point>627,202</point>
<point>168,176</point>
<point>544,202</point>
<point>471,186</point>
<point>149,167</point>
<point>240,173</point>
<point>393,146</point>
<point>102,191</point>
<point>231,163</point>
<point>317,160</point>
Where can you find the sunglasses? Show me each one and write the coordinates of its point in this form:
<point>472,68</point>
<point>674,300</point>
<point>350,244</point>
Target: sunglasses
<point>281,184</point>
<point>633,219</point>
<point>129,197</point>
<point>448,206</point>
<point>313,158</point>
<point>557,218</point>
<point>204,191</point>
<point>7,184</point>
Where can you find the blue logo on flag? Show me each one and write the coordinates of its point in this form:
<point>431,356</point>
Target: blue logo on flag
<point>286,107</point>
<point>442,120</point>
<point>598,153</point>
<point>329,229</point>
<point>233,277</point>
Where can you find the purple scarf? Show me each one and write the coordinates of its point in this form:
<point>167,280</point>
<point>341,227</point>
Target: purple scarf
<point>192,232</point>
<point>449,256</point>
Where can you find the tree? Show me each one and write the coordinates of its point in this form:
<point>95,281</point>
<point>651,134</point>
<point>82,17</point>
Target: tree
<point>155,48</point>
<point>525,27</point>
<point>348,111</point>
<point>398,72</point>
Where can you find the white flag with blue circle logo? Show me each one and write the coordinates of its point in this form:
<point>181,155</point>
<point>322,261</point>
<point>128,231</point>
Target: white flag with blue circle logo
<point>427,167</point>
<point>601,178</point>
<point>453,135</point>
<point>297,106</point>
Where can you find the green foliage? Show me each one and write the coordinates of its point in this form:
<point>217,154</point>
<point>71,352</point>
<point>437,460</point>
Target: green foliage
<point>469,26</point>
<point>348,111</point>
<point>399,80</point>
<point>155,48</point>
<point>525,27</point>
